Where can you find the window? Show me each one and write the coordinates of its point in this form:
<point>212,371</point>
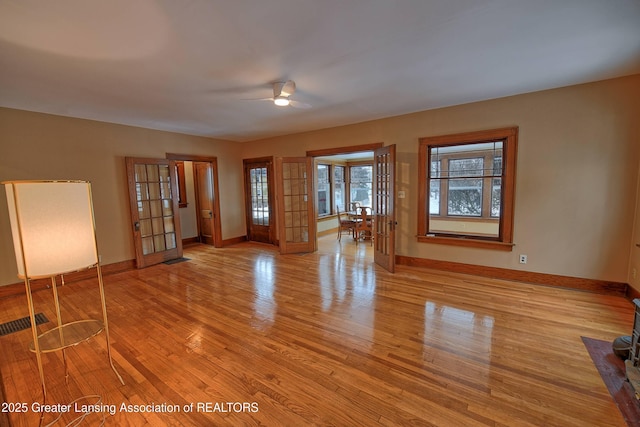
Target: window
<point>434,188</point>
<point>467,187</point>
<point>361,184</point>
<point>324,190</point>
<point>259,189</point>
<point>339,187</point>
<point>464,185</point>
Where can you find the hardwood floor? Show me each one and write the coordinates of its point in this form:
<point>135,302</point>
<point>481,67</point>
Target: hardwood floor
<point>251,337</point>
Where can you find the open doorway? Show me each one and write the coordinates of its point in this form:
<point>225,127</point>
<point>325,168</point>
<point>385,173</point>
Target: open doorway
<point>344,180</point>
<point>379,191</point>
<point>344,185</point>
<point>198,202</point>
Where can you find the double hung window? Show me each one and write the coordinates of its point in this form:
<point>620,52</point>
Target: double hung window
<point>324,189</point>
<point>339,187</point>
<point>467,184</point>
<point>342,186</point>
<point>361,185</point>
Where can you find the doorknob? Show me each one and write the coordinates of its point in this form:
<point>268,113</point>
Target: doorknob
<point>136,226</point>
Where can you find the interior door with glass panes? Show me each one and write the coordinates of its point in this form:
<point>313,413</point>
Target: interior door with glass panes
<point>296,212</point>
<point>153,199</point>
<point>259,199</point>
<point>384,224</point>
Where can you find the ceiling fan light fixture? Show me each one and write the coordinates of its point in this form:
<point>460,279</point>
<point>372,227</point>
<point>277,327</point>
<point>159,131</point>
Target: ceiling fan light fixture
<point>281,101</point>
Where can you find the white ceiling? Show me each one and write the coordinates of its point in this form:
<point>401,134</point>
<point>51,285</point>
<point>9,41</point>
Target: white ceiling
<point>190,66</point>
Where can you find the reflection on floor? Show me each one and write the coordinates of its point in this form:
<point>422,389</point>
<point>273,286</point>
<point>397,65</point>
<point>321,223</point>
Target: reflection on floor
<point>252,337</point>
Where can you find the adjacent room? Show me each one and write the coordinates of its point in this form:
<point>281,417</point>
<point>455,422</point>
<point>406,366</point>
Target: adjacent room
<point>289,213</point>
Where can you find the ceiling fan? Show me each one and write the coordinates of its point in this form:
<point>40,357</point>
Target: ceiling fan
<point>282,92</point>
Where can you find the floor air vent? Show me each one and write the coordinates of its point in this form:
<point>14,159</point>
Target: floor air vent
<point>21,324</point>
<point>177,260</point>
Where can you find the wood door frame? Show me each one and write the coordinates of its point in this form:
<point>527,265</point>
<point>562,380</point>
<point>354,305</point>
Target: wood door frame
<point>336,151</point>
<point>344,150</point>
<point>217,222</point>
<point>200,220</point>
<point>354,149</point>
<point>271,182</point>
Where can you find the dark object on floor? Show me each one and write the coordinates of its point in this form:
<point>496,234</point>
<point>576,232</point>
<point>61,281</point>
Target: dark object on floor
<point>177,260</point>
<point>21,324</point>
<point>622,346</point>
<point>612,371</point>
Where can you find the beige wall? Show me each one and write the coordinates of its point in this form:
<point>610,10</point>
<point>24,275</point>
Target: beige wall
<point>577,178</point>
<point>578,157</point>
<point>41,146</point>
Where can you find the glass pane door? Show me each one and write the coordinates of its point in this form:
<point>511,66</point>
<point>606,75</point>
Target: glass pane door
<point>259,199</point>
<point>384,222</point>
<point>296,212</point>
<point>153,210</point>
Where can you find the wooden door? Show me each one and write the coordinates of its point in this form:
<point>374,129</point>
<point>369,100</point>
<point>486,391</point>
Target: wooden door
<point>203,179</point>
<point>384,177</point>
<point>153,200</point>
<point>296,211</point>
<point>259,199</point>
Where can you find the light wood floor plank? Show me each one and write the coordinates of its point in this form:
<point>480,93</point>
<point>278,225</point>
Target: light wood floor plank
<point>326,338</point>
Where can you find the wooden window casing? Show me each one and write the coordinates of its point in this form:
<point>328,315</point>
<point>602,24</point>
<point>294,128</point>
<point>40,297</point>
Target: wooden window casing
<point>504,238</point>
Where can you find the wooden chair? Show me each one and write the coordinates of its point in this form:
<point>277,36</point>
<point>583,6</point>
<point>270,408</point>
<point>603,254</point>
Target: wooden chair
<point>364,225</point>
<point>345,223</point>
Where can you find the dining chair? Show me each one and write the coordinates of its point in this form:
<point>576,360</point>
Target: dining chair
<point>345,224</point>
<point>364,226</point>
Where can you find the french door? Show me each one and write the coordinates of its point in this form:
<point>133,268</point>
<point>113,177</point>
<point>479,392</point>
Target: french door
<point>153,198</point>
<point>258,184</point>
<point>384,178</point>
<point>296,211</point>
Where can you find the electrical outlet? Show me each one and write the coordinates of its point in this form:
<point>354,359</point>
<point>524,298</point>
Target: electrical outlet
<point>523,259</point>
<point>634,273</point>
